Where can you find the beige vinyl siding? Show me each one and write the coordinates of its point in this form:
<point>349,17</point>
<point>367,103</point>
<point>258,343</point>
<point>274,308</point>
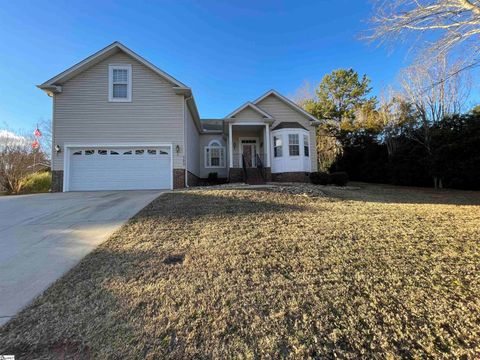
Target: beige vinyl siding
<point>83,114</point>
<point>282,112</point>
<point>204,141</point>
<point>192,143</point>
<point>248,114</point>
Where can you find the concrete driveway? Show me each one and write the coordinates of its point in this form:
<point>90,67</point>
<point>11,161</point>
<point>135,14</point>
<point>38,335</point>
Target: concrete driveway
<point>43,236</point>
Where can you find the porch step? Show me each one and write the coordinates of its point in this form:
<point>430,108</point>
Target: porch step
<point>254,177</point>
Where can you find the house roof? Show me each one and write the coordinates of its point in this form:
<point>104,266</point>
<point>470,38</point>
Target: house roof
<point>212,125</point>
<point>251,106</point>
<point>52,85</point>
<point>289,103</point>
<point>288,125</point>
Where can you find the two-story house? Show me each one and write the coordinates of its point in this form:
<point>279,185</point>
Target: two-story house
<point>121,123</point>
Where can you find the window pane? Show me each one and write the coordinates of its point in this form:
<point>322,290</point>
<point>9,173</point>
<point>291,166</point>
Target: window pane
<point>277,146</point>
<point>293,139</point>
<point>277,151</point>
<point>78,152</point>
<point>120,91</point>
<point>215,156</point>
<point>139,152</point>
<point>89,152</point>
<point>102,152</point>
<point>306,150</point>
<point>128,152</point>
<point>222,157</point>
<point>120,75</point>
<point>293,145</point>
<point>152,151</point>
<point>113,152</point>
<point>294,150</point>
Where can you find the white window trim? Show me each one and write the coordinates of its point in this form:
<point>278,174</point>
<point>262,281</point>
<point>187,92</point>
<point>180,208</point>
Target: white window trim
<point>307,145</point>
<point>297,144</point>
<point>214,144</point>
<point>111,67</point>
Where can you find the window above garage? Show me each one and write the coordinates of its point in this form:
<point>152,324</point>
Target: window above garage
<point>120,83</point>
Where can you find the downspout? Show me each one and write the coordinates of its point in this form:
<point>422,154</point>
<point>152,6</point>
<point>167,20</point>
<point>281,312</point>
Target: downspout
<point>186,138</point>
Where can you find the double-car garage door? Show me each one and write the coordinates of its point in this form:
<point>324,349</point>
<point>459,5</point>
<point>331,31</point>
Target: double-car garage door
<point>119,168</point>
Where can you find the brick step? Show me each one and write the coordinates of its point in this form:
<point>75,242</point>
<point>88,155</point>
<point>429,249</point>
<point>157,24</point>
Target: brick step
<point>254,177</point>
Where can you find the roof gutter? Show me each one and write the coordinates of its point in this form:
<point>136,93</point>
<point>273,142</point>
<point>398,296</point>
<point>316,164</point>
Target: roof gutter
<point>51,89</point>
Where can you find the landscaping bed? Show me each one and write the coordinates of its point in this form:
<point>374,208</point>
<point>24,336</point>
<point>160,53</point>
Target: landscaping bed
<point>282,271</point>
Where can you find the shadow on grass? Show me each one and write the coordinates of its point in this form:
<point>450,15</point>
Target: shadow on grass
<point>191,205</point>
<point>92,307</point>
<point>390,194</point>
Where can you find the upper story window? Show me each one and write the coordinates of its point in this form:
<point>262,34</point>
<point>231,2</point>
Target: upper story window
<point>277,146</point>
<point>293,145</point>
<point>214,155</point>
<point>120,83</point>
<point>306,150</point>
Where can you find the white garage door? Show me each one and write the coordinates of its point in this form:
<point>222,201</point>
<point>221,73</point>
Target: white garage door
<point>122,168</point>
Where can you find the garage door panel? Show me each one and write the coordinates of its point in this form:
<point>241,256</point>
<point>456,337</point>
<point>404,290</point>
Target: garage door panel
<point>120,168</point>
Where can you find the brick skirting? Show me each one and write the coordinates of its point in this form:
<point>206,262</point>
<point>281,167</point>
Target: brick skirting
<point>235,175</point>
<point>268,174</point>
<point>291,177</point>
<point>57,181</point>
<point>178,178</point>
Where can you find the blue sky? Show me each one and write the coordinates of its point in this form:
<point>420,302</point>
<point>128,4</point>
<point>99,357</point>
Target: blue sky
<point>227,51</point>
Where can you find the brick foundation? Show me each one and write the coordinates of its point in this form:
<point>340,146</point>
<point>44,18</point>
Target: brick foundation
<point>178,178</point>
<point>291,177</point>
<point>268,174</point>
<point>235,175</point>
<point>57,181</point>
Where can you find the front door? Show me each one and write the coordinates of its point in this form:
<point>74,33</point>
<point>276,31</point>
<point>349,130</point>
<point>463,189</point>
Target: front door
<point>248,151</point>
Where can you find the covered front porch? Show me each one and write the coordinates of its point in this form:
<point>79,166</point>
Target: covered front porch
<point>249,143</point>
<point>248,149</point>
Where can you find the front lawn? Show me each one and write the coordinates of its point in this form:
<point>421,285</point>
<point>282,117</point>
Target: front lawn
<point>374,272</point>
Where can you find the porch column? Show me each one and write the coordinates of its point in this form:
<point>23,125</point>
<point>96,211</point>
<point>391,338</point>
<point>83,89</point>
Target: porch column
<point>230,145</point>
<point>267,143</point>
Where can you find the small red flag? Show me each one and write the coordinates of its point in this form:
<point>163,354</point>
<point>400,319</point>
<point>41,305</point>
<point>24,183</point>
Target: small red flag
<point>37,133</point>
<point>35,144</point>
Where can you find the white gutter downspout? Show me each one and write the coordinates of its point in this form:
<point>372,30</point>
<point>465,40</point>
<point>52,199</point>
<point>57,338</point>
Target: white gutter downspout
<point>185,146</point>
<point>186,139</point>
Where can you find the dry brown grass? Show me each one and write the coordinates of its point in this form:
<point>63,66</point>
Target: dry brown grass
<point>378,272</point>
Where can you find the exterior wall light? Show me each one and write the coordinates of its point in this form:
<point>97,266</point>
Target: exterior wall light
<point>58,149</point>
<point>177,149</point>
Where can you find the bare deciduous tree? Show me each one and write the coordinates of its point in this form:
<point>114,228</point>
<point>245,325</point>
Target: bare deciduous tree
<point>17,160</point>
<point>433,91</point>
<point>46,139</point>
<point>447,24</point>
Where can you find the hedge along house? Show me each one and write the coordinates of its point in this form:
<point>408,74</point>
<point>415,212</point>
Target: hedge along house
<point>121,123</point>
